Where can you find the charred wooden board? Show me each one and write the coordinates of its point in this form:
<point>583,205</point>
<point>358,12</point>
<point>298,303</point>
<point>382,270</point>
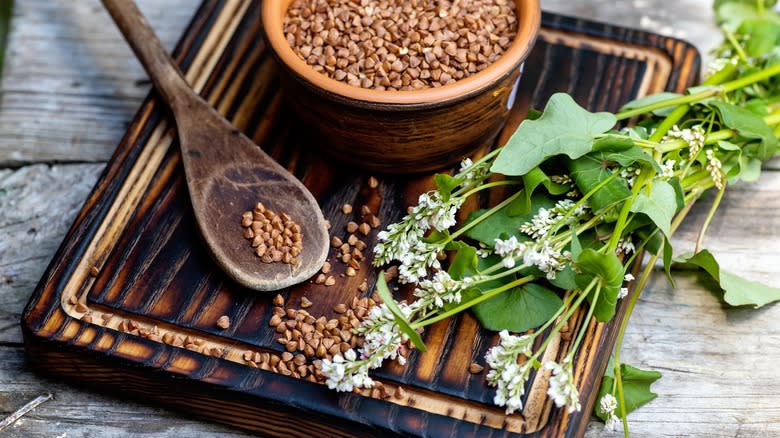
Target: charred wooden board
<point>133,254</point>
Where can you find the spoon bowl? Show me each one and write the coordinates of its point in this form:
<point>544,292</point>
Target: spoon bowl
<point>226,173</point>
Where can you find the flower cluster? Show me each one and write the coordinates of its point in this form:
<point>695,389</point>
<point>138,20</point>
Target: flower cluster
<point>545,219</point>
<point>714,167</point>
<point>383,339</point>
<point>403,241</point>
<point>694,137</point>
<point>562,389</point>
<point>473,174</point>
<point>440,289</point>
<point>540,254</point>
<point>506,374</point>
<point>667,169</point>
<point>608,405</point>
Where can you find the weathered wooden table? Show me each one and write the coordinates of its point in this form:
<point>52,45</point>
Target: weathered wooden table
<point>70,85</point>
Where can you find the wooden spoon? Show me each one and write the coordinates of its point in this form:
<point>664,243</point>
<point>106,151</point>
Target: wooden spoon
<point>227,173</point>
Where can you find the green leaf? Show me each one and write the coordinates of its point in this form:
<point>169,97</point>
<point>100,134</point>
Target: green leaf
<point>608,269</point>
<point>588,172</point>
<point>636,389</point>
<point>651,99</point>
<point>612,143</point>
<point>749,169</point>
<point>668,255</point>
<point>501,223</point>
<point>532,180</point>
<point>564,128</point>
<point>465,261</point>
<point>733,13</point>
<point>679,194</point>
<point>654,239</point>
<point>629,156</point>
<point>446,184</point>
<point>519,309</point>
<point>748,125</point>
<point>660,205</point>
<point>400,319</point>
<point>738,291</point>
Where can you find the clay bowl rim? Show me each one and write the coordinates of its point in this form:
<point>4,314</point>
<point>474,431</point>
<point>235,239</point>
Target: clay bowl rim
<point>528,24</point>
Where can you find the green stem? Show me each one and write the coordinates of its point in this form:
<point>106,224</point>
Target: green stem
<point>484,216</point>
<point>585,321</point>
<point>707,220</point>
<point>565,318</point>
<point>504,182</point>
<point>703,94</point>
<point>667,123</point>
<point>735,44</point>
<point>475,301</point>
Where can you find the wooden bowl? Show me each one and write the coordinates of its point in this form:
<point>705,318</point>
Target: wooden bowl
<point>402,131</point>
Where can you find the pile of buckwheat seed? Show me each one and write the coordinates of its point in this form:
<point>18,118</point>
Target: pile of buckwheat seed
<point>275,238</point>
<point>400,44</point>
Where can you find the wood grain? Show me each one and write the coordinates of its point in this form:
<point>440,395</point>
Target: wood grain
<point>136,230</point>
<point>685,332</point>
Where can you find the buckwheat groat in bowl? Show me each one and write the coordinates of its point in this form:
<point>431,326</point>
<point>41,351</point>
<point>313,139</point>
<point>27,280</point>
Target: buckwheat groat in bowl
<point>401,86</point>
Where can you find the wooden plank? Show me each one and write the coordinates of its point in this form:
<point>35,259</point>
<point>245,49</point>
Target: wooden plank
<point>135,231</point>
<point>76,412</point>
<point>70,83</point>
<point>37,206</point>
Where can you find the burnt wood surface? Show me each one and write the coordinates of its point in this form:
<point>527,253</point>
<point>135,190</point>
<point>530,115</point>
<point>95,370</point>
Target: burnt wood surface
<point>137,229</point>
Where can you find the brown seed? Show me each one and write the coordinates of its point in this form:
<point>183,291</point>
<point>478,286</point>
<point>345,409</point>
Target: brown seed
<point>305,303</point>
<point>373,182</point>
<point>351,227</point>
<point>94,271</point>
<point>374,222</point>
<point>319,279</point>
<point>475,368</point>
<point>346,209</point>
<point>81,308</point>
<point>106,317</point>
<point>400,393</point>
<point>350,271</point>
<point>279,300</point>
<point>275,320</point>
<point>223,322</point>
<point>340,308</point>
<point>87,318</point>
<point>391,273</point>
<point>363,286</point>
<point>346,258</point>
<point>326,268</point>
<point>335,242</point>
<point>352,239</point>
<point>330,281</point>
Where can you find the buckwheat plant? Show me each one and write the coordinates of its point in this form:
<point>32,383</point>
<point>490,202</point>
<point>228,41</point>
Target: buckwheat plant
<point>584,195</point>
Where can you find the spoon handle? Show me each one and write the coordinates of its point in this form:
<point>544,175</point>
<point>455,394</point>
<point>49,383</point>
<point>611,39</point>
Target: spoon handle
<point>158,64</point>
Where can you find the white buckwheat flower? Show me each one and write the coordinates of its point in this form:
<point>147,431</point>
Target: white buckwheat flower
<point>694,137</point>
<point>630,173</point>
<point>544,219</point>
<point>473,175</point>
<point>622,293</point>
<point>505,373</point>
<point>546,258</point>
<point>625,246</point>
<point>509,249</point>
<point>562,389</point>
<point>440,289</point>
<point>433,212</point>
<point>344,373</point>
<point>628,277</point>
<point>714,168</point>
<point>667,169</point>
<point>608,405</point>
<point>417,260</point>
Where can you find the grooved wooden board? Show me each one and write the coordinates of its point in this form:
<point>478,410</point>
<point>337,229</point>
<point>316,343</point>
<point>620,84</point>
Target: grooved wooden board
<point>136,228</point>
